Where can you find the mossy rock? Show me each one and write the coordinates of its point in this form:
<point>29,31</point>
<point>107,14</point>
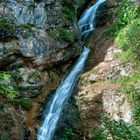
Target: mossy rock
<point>63,34</point>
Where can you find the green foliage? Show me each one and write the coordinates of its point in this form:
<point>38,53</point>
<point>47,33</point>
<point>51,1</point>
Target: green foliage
<point>63,34</point>
<point>125,56</point>
<point>125,14</point>
<point>4,75</point>
<point>6,88</point>
<point>131,87</point>
<point>69,11</point>
<point>11,92</point>
<point>129,39</point>
<point>98,134</point>
<point>68,133</point>
<point>66,35</point>
<point>4,23</point>
<point>120,130</point>
<point>26,27</point>
<point>117,130</point>
<point>126,31</point>
<point>111,31</point>
<point>24,102</point>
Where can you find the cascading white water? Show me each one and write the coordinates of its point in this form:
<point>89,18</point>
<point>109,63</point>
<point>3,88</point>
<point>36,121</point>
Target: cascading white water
<point>61,95</point>
<point>87,21</point>
<point>67,84</point>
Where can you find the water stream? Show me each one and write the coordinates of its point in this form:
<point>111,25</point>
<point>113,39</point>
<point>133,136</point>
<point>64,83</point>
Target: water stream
<point>87,20</point>
<point>86,25</point>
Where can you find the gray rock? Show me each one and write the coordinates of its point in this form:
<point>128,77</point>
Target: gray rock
<point>35,48</point>
<point>27,12</point>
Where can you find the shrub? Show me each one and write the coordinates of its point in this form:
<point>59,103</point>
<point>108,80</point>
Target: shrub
<point>66,35</point>
<point>119,130</point>
<point>129,38</point>
<point>98,134</point>
<point>116,130</point>
<point>24,102</point>
<point>125,14</point>
<point>68,133</point>
<point>5,87</point>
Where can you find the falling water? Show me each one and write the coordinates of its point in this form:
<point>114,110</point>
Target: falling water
<point>61,95</point>
<point>87,21</point>
<point>64,91</point>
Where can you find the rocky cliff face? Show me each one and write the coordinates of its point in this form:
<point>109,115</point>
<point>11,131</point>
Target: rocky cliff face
<point>38,31</point>
<point>35,36</point>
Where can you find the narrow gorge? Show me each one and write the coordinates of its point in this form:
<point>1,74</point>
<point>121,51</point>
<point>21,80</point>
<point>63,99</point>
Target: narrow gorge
<point>69,70</point>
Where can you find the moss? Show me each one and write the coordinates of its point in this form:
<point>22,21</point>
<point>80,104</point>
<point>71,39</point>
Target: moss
<point>4,75</point>
<point>66,35</point>
<point>26,27</point>
<point>24,102</point>
<point>5,24</point>
<point>63,34</point>
<point>69,11</point>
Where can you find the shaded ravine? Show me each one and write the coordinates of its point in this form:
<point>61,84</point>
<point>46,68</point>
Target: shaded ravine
<point>53,111</point>
<point>61,95</point>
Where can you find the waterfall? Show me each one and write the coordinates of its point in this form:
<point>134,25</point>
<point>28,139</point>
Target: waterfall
<point>87,21</point>
<point>61,95</point>
<point>64,91</point>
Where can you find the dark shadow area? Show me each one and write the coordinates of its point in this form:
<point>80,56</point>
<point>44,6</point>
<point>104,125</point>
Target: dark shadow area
<point>98,48</point>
